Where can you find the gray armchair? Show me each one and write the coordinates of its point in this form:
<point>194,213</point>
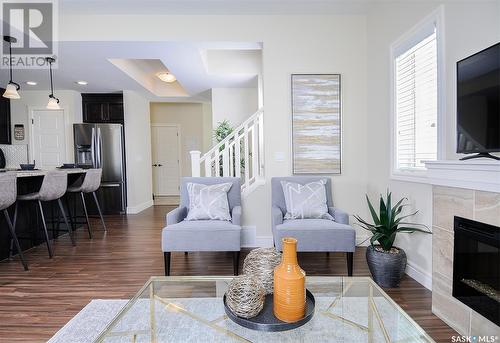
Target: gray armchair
<point>313,235</point>
<point>204,235</point>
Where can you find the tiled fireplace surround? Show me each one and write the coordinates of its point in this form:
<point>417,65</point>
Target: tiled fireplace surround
<point>448,202</point>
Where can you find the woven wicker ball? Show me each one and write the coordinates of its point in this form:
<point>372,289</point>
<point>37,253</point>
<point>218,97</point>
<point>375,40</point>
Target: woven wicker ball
<point>261,262</point>
<point>245,296</point>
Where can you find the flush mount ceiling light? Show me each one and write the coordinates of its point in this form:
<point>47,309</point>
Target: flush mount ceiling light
<point>53,103</point>
<point>165,76</point>
<point>82,83</point>
<point>12,87</point>
<point>31,83</point>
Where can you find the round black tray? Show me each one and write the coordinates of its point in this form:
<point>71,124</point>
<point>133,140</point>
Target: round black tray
<point>266,321</point>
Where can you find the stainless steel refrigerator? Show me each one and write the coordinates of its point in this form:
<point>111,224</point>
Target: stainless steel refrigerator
<point>103,146</point>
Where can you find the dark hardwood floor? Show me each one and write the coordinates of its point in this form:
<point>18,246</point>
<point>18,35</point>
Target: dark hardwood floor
<point>35,304</point>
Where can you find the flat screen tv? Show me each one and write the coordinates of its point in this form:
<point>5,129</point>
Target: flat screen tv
<point>478,110</point>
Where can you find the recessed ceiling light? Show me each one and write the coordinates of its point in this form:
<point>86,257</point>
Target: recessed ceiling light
<point>166,77</point>
<point>31,83</point>
<point>82,83</point>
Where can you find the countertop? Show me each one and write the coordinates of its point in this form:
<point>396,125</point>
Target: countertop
<point>29,173</point>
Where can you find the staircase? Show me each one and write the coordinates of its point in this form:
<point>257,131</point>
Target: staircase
<point>241,154</point>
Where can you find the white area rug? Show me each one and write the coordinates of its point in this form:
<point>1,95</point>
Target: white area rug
<point>202,320</point>
<point>89,322</point>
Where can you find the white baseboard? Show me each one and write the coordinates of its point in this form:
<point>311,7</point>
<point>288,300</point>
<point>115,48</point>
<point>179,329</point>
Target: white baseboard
<point>419,275</point>
<point>139,208</point>
<point>169,200</point>
<point>249,238</point>
<point>264,241</point>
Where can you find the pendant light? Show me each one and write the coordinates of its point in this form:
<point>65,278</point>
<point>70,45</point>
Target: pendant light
<point>53,103</point>
<point>12,87</point>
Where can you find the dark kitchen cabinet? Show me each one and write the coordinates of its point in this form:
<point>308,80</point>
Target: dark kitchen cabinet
<point>115,111</point>
<point>5,135</point>
<point>102,108</point>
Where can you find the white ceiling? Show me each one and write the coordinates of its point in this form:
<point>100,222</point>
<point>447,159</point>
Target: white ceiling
<point>215,6</point>
<point>90,61</point>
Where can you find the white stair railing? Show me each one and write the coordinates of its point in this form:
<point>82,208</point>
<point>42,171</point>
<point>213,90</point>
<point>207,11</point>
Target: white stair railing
<point>241,154</point>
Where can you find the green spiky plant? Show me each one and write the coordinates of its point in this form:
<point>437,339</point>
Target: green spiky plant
<point>222,130</point>
<point>389,222</point>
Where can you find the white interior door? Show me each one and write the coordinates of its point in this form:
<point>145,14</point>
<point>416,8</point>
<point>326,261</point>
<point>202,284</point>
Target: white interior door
<point>165,145</point>
<point>48,140</point>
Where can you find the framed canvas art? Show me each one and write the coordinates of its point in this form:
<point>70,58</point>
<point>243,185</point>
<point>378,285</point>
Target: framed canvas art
<point>316,120</point>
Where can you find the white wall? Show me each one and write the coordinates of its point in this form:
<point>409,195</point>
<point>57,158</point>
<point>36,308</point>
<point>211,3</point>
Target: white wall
<point>71,102</point>
<point>208,128</point>
<point>469,27</point>
<point>292,44</point>
<point>192,123</point>
<point>233,104</point>
<point>138,151</point>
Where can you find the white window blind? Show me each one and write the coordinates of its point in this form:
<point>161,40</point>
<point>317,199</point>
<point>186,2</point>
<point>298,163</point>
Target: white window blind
<point>416,104</point>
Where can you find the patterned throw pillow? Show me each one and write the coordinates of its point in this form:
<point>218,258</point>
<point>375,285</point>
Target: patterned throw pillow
<point>208,201</point>
<point>305,201</point>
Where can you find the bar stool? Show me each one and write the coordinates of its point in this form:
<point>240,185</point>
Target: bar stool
<point>90,184</point>
<point>8,193</point>
<point>53,187</point>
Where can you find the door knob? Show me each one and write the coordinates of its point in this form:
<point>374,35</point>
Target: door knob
<point>155,165</point>
<point>160,165</point>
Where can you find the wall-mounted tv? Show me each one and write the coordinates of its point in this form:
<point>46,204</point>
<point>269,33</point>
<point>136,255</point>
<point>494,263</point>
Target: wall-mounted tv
<point>478,98</point>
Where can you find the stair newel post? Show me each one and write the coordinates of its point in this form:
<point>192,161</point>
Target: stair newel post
<point>195,163</point>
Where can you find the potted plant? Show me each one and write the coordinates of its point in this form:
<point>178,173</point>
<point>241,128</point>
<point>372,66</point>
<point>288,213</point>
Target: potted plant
<point>223,130</point>
<point>387,262</point>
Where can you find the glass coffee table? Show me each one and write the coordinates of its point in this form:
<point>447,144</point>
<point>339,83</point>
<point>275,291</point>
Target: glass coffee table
<point>190,309</point>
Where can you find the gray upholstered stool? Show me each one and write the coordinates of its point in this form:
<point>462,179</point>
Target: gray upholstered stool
<point>53,187</point>
<point>90,184</point>
<point>8,193</point>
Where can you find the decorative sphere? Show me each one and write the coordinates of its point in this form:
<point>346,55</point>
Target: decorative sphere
<point>245,296</point>
<point>261,262</point>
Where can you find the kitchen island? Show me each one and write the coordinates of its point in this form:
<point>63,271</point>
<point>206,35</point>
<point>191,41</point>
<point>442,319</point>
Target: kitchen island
<point>28,225</point>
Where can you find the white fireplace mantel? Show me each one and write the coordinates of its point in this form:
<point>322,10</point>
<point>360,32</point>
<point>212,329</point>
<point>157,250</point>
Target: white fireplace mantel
<point>480,175</point>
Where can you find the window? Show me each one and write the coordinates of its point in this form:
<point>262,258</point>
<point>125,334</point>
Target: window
<point>416,100</point>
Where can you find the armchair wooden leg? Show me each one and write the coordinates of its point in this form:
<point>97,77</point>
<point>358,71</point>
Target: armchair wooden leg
<point>350,256</point>
<point>236,261</point>
<point>166,260</point>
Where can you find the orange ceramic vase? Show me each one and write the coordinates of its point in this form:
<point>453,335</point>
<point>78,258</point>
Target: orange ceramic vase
<point>289,285</point>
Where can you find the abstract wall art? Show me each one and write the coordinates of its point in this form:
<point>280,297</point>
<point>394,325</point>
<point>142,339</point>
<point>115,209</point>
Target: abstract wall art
<point>316,129</point>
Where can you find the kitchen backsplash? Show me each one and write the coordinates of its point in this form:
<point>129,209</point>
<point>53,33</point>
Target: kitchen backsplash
<point>15,154</point>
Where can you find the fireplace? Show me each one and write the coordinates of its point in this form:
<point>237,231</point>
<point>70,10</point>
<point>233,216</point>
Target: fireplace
<point>476,267</point>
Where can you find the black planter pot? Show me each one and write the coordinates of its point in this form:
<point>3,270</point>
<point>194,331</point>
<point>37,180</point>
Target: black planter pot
<point>387,269</point>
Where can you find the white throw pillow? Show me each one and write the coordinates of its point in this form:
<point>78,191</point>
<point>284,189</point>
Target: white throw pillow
<point>305,201</point>
<point>208,201</point>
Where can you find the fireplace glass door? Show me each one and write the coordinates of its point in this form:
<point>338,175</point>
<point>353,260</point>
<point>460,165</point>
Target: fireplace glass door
<point>476,267</point>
